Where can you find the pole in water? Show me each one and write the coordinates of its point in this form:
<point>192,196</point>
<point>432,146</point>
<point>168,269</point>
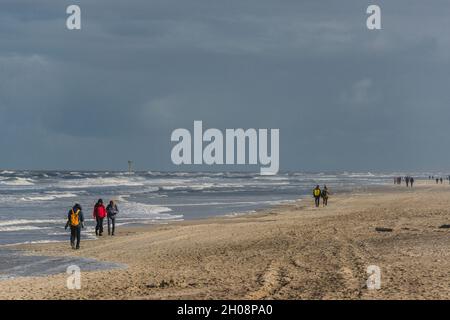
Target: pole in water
<point>130,166</point>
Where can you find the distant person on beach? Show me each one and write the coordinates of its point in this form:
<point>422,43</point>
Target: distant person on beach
<point>99,214</point>
<point>112,212</point>
<point>316,193</point>
<point>75,220</point>
<point>411,181</point>
<point>407,181</point>
<point>441,180</point>
<point>324,194</point>
<point>437,181</point>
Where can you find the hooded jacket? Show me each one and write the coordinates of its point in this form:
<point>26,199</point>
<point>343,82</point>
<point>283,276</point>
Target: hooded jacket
<point>112,211</point>
<point>99,211</point>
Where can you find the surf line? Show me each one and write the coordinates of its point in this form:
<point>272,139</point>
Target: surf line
<point>256,141</point>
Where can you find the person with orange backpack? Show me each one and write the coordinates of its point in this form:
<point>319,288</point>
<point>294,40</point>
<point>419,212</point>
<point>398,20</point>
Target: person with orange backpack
<point>75,220</point>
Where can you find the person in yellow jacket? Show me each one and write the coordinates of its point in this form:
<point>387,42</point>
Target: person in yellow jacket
<point>316,193</point>
<point>75,220</point>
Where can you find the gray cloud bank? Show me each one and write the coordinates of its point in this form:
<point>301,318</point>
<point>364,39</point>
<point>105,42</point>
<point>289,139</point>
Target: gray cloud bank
<point>343,97</point>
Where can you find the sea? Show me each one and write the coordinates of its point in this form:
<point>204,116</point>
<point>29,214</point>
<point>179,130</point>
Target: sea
<point>34,204</point>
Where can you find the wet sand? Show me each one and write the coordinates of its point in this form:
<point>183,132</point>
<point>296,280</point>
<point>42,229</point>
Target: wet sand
<point>289,252</point>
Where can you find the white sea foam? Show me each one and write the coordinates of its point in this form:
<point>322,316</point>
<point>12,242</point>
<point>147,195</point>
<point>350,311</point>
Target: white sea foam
<point>49,197</point>
<point>30,221</point>
<point>189,186</point>
<point>140,209</point>
<point>21,228</point>
<point>7,172</point>
<point>18,182</point>
<point>122,198</point>
<point>100,182</point>
<point>32,242</point>
<point>232,203</point>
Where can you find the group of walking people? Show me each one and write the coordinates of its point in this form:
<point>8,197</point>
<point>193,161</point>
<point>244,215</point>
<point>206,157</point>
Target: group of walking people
<point>438,179</point>
<point>408,180</point>
<point>75,220</point>
<point>321,193</point>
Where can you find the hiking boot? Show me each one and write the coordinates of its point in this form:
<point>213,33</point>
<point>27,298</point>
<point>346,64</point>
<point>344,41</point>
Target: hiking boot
<point>77,248</point>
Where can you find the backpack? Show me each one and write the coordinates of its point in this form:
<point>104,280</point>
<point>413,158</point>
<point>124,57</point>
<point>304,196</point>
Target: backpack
<point>316,192</point>
<point>75,218</point>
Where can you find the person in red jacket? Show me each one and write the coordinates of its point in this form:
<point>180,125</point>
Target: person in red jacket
<point>99,214</point>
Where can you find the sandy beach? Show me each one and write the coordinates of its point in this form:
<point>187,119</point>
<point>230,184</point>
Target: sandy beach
<point>289,252</point>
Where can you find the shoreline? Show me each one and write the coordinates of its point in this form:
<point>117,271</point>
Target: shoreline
<point>290,251</point>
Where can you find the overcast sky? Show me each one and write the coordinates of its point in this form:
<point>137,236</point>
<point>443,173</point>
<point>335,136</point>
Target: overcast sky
<point>343,97</point>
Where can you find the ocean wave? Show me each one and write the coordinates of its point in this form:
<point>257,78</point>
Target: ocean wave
<point>100,182</point>
<point>7,172</point>
<point>140,209</point>
<point>190,187</point>
<point>18,182</point>
<point>21,228</point>
<point>233,203</point>
<point>49,197</point>
<point>30,221</point>
<point>32,242</point>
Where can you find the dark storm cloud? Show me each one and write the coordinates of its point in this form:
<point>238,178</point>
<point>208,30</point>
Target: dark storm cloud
<point>343,97</point>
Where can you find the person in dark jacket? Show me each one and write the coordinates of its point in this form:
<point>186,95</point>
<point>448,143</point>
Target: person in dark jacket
<point>99,214</point>
<point>324,194</point>
<point>112,212</point>
<point>75,220</point>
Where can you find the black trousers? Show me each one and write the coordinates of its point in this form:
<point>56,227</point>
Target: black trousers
<point>317,201</point>
<point>111,221</point>
<point>99,226</point>
<point>75,233</point>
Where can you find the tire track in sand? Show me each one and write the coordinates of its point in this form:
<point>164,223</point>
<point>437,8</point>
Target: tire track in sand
<point>270,281</point>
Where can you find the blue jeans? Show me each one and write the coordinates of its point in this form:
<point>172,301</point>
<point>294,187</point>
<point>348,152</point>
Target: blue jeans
<point>111,220</point>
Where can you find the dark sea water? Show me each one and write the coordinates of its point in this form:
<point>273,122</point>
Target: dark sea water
<point>34,204</point>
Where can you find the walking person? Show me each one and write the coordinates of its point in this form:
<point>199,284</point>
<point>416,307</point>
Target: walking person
<point>441,180</point>
<point>99,214</point>
<point>75,220</point>
<point>407,181</point>
<point>411,181</point>
<point>112,212</point>
<point>324,195</point>
<point>316,193</point>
